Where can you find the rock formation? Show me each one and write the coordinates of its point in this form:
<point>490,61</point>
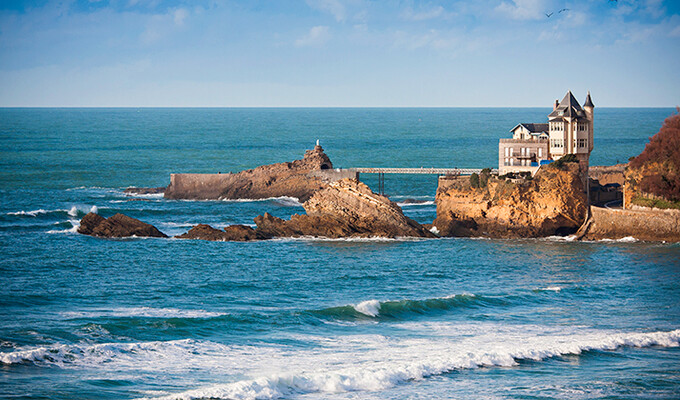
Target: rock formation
<point>346,208</point>
<point>117,226</point>
<point>552,203</point>
<point>299,179</point>
<point>236,233</point>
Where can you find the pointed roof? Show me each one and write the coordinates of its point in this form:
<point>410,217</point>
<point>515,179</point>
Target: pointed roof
<point>589,101</point>
<point>568,108</point>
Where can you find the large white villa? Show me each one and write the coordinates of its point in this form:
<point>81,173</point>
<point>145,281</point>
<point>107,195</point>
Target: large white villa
<point>569,131</point>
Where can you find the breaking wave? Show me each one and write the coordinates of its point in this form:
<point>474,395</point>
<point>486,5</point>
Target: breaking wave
<point>437,361</point>
<point>398,308</point>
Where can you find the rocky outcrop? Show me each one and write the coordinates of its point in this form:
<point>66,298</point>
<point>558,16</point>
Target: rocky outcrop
<point>552,203</point>
<point>299,179</point>
<point>346,208</point>
<point>233,233</point>
<point>117,226</point>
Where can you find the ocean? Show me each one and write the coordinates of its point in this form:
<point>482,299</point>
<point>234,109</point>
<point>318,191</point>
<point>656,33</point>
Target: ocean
<point>453,318</point>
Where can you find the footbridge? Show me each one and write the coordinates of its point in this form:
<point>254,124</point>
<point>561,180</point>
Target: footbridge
<point>381,171</point>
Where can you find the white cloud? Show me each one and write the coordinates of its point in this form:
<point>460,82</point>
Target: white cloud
<point>162,25</point>
<point>317,36</point>
<point>524,9</point>
<point>333,7</point>
<point>180,15</point>
<point>424,14</point>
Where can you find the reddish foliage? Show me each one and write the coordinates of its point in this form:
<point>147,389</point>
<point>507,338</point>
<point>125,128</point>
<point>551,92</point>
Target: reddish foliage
<point>664,149</point>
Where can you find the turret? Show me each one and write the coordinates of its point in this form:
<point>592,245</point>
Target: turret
<point>588,107</point>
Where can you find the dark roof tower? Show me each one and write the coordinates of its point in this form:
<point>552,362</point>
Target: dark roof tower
<point>568,108</point>
<point>589,101</point>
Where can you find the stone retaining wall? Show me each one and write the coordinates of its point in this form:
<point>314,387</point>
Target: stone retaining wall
<point>653,225</point>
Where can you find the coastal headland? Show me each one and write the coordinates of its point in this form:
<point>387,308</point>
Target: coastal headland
<point>553,202</point>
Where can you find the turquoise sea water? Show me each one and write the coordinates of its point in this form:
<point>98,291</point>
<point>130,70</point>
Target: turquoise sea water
<point>86,318</point>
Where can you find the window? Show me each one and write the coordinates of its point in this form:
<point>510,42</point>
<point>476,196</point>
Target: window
<point>583,143</point>
<point>506,154</point>
<point>557,143</point>
<point>511,162</point>
<point>540,152</point>
<point>507,162</point>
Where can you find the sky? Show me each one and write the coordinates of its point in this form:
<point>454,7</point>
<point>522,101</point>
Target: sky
<point>338,53</point>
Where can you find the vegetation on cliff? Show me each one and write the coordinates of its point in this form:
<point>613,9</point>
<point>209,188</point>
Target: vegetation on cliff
<point>653,177</point>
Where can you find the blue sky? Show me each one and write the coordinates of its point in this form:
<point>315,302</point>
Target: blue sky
<point>339,53</point>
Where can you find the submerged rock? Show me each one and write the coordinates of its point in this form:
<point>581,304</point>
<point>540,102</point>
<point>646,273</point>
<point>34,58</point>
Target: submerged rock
<point>299,179</point>
<point>144,190</point>
<point>237,233</point>
<point>117,226</point>
<point>552,203</point>
<point>346,208</point>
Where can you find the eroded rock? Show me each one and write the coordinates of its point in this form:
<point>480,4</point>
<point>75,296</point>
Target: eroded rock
<point>299,179</point>
<point>553,203</point>
<point>237,233</point>
<point>116,226</point>
<point>346,208</point>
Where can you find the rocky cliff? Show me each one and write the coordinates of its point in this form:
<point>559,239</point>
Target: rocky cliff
<point>299,179</point>
<point>346,208</point>
<point>552,203</point>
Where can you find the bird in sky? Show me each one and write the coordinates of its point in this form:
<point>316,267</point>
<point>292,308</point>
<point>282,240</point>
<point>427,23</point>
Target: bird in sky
<point>549,15</point>
<point>564,9</point>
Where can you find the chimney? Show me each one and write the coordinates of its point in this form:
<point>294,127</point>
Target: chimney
<point>557,103</point>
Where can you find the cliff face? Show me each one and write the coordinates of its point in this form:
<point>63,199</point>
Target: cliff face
<point>346,208</point>
<point>299,179</point>
<point>553,203</point>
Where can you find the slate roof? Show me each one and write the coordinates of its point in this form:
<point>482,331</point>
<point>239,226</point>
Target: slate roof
<point>589,101</point>
<point>532,128</point>
<point>568,108</point>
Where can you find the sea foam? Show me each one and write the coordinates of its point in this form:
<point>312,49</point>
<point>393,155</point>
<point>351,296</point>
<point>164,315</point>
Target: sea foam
<point>397,369</point>
<point>147,312</point>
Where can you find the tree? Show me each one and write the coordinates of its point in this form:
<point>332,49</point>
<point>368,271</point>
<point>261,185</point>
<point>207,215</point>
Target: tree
<point>659,162</point>
<point>474,180</point>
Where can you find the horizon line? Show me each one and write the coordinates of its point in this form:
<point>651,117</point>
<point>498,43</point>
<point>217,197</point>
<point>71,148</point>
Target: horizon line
<point>316,107</point>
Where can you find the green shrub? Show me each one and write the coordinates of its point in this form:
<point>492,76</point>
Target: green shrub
<point>484,177</point>
<point>559,164</point>
<point>474,180</point>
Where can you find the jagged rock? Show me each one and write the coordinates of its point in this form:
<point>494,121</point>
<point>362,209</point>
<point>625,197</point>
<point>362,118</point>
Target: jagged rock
<point>553,203</point>
<point>237,233</point>
<point>116,226</point>
<point>299,179</point>
<point>346,208</point>
<point>89,222</point>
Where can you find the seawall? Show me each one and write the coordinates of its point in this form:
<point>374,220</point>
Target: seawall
<point>233,186</point>
<point>652,225</point>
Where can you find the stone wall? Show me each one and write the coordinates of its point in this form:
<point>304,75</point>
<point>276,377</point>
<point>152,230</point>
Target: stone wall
<point>652,225</point>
